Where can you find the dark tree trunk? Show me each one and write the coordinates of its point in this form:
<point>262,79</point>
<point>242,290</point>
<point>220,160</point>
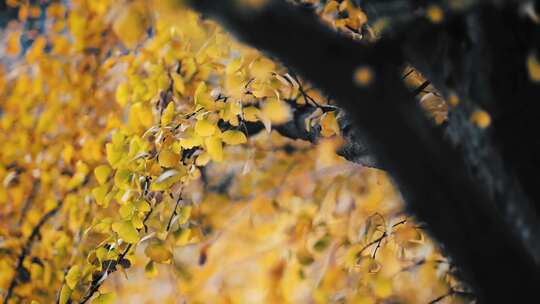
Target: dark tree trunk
<point>475,188</point>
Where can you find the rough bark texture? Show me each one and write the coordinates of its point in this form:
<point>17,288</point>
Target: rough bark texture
<point>475,189</point>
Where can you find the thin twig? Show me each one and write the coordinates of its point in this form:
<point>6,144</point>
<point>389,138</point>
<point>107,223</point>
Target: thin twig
<point>27,247</point>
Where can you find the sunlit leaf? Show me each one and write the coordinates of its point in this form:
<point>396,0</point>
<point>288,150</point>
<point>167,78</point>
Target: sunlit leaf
<point>126,231</point>
<point>233,137</point>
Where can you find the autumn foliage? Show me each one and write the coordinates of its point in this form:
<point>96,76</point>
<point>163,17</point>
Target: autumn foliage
<point>140,161</point>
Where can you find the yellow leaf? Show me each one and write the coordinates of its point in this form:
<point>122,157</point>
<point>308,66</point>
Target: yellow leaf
<point>122,94</point>
<point>363,299</point>
<point>178,83</point>
<point>168,114</point>
<point>184,214</point>
<point>73,276</point>
<point>234,66</point>
<point>103,226</point>
<point>130,26</point>
<point>233,137</point>
<point>168,159</point>
<point>101,253</point>
<point>158,253</point>
<point>214,148</point>
<point>141,114</point>
<point>127,210</point>
<point>137,222</point>
<point>190,142</point>
<point>276,111</point>
<point>251,114</point>
<point>201,96</point>
<point>382,287</point>
<point>167,179</point>
<point>122,178</point>
<point>100,195</point>
<point>182,236</point>
<point>13,44</point>
<point>533,65</point>
<point>329,124</point>
<point>65,294</point>
<point>105,298</point>
<point>231,111</point>
<point>102,173</point>
<point>113,155</point>
<point>262,68</point>
<point>126,231</point>
<point>205,128</point>
<point>142,205</point>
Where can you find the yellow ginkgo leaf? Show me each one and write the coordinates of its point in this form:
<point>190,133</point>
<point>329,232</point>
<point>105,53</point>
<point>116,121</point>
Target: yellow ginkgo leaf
<point>233,137</point>
<point>231,111</point>
<point>102,173</point>
<point>142,205</point>
<point>127,210</point>
<point>122,94</point>
<point>168,114</point>
<point>190,142</point>
<point>251,114</point>
<point>276,111</point>
<point>205,128</point>
<point>65,294</point>
<point>329,124</point>
<point>73,276</point>
<point>13,43</point>
<point>122,178</point>
<point>130,26</point>
<point>168,159</point>
<point>137,222</point>
<point>234,66</point>
<point>105,298</point>
<point>168,178</point>
<point>182,236</point>
<point>141,114</point>
<point>178,83</point>
<point>533,65</point>
<point>214,148</point>
<point>101,253</point>
<point>126,231</point>
<point>158,253</point>
<point>100,195</point>
<point>201,96</point>
<point>184,214</point>
<point>114,154</point>
<point>382,287</point>
<point>262,68</point>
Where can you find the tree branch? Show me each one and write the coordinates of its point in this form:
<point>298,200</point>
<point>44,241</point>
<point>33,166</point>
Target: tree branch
<point>19,269</point>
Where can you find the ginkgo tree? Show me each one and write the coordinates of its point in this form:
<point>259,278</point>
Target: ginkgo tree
<point>472,179</point>
<point>148,155</point>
